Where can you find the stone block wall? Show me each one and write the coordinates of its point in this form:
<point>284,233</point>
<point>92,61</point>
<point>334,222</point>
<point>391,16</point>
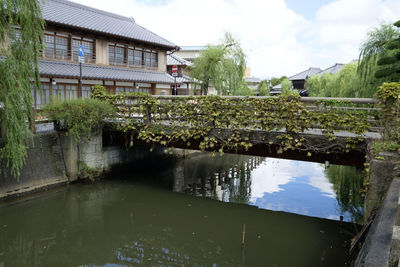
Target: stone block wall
<point>44,167</point>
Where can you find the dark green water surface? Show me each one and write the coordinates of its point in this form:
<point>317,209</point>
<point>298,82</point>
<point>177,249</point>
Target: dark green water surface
<point>135,219</point>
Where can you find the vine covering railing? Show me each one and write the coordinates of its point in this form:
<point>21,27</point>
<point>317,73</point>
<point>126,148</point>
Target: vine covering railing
<point>169,119</point>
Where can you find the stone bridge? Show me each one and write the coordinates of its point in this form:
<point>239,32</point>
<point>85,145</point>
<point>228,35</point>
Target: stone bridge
<point>338,130</point>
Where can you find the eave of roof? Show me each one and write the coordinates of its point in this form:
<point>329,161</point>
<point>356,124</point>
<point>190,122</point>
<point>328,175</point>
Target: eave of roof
<point>73,15</point>
<point>333,69</point>
<point>305,74</point>
<point>55,69</point>
<point>176,60</point>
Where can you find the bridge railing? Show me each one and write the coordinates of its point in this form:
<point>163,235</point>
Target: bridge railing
<point>356,115</point>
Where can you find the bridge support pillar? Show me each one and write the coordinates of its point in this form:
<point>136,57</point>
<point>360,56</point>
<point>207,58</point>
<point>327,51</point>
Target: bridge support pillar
<point>70,153</point>
<point>179,176</point>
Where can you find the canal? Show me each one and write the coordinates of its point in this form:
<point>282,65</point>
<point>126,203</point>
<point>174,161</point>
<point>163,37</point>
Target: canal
<point>229,210</point>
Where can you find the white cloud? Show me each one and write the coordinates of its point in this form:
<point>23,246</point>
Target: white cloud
<point>274,173</point>
<point>277,40</point>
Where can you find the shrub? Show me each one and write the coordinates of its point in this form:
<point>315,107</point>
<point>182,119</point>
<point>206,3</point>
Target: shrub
<point>80,116</point>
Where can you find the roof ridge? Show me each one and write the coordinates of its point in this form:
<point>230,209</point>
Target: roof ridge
<point>92,9</point>
<point>304,71</point>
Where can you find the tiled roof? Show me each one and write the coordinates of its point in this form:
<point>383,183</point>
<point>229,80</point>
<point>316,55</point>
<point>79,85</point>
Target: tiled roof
<point>175,60</point>
<point>304,75</point>
<point>193,48</point>
<point>62,12</point>
<point>331,70</point>
<point>277,87</point>
<point>93,72</point>
<point>252,80</point>
<point>183,79</point>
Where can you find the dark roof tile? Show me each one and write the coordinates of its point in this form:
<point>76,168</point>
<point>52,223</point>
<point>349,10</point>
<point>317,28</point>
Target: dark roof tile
<point>304,75</point>
<point>71,70</point>
<point>76,15</point>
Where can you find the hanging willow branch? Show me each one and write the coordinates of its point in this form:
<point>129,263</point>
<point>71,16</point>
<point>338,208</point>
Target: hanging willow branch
<point>21,29</point>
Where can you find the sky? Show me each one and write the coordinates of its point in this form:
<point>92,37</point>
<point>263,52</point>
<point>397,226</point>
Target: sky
<point>279,37</point>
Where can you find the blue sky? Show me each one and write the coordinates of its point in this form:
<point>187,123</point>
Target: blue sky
<point>280,37</point>
<point>307,8</point>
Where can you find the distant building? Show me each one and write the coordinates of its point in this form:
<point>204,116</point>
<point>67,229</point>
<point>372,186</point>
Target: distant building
<point>253,82</point>
<point>184,84</point>
<point>333,69</point>
<point>189,53</point>
<point>299,80</point>
<point>276,90</point>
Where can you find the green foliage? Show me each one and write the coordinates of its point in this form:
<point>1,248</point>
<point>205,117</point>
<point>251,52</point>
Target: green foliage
<point>345,83</point>
<point>389,91</point>
<point>286,85</point>
<point>347,184</point>
<point>389,95</point>
<point>80,116</point>
<point>200,120</point>
<point>375,46</point>
<point>263,88</point>
<point>21,29</point>
<point>221,66</point>
<point>389,62</point>
<point>275,81</point>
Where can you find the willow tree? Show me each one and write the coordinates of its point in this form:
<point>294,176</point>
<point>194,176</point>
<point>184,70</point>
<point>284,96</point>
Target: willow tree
<point>221,66</point>
<point>21,29</point>
<point>389,65</point>
<point>371,50</point>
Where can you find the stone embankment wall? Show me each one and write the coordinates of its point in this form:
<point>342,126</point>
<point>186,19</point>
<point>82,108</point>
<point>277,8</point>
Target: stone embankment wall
<point>382,244</point>
<point>56,159</point>
<point>44,168</point>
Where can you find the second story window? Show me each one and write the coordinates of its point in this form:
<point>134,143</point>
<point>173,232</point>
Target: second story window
<point>56,46</point>
<point>154,60</point>
<point>88,47</point>
<point>132,56</point>
<point>138,57</point>
<point>65,47</point>
<point>147,58</point>
<point>116,54</point>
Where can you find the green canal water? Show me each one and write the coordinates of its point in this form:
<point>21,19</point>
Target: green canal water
<point>206,211</point>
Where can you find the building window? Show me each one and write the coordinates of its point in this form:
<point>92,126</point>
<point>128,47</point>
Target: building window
<point>61,47</point>
<point>65,91</point>
<point>86,89</point>
<point>154,59</point>
<point>138,57</point>
<point>49,46</point>
<point>56,46</point>
<point>42,97</point>
<point>116,54</point>
<point>132,56</point>
<point>147,59</point>
<point>88,47</point>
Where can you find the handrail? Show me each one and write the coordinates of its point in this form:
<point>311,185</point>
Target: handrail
<point>302,99</point>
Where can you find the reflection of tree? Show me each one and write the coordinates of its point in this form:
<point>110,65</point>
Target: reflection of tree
<point>226,177</point>
<point>240,188</point>
<point>347,183</point>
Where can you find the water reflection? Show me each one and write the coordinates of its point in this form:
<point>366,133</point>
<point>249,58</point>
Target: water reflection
<point>347,183</point>
<point>122,223</point>
<point>133,219</point>
<point>283,185</point>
